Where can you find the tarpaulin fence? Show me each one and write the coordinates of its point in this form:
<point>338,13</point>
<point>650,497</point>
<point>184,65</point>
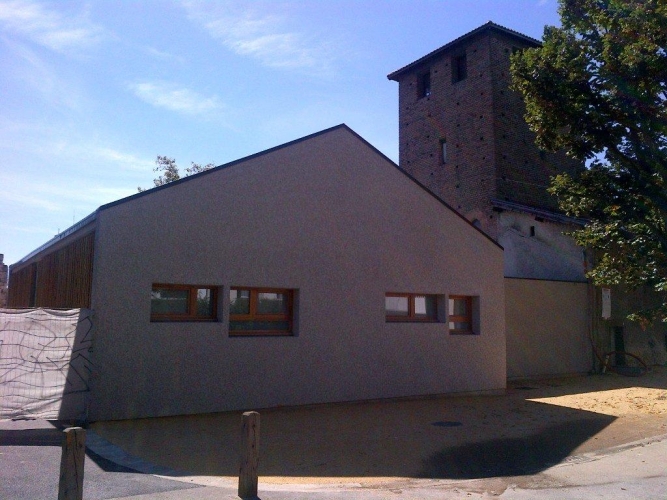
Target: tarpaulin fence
<point>45,363</point>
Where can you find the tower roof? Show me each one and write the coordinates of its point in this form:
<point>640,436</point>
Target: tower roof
<point>490,26</point>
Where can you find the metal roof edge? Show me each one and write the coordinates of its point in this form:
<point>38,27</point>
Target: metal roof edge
<point>88,219</point>
<point>488,26</point>
<point>544,213</point>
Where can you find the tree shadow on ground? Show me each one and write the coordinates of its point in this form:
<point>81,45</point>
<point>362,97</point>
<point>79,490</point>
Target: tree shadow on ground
<point>518,456</point>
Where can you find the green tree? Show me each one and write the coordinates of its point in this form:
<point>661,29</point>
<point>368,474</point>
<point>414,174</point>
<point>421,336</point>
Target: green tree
<point>597,88</point>
<point>170,170</point>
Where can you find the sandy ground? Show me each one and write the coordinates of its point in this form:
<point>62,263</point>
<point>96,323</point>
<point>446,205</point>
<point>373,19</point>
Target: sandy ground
<point>536,424</point>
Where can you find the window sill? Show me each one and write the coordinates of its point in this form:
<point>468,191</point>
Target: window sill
<point>184,320</point>
<point>260,334</point>
<point>412,320</point>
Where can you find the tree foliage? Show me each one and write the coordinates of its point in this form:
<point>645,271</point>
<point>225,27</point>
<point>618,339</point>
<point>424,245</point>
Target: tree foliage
<point>170,171</point>
<point>597,88</point>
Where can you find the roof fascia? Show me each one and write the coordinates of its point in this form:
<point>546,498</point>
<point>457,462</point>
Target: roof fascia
<point>413,179</point>
<point>548,215</point>
<point>93,216</point>
<point>221,167</point>
<point>86,221</point>
<point>490,26</point>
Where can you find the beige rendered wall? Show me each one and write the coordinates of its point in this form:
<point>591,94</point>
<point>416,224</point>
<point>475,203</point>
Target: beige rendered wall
<point>549,254</point>
<point>650,342</point>
<point>328,217</point>
<point>547,328</point>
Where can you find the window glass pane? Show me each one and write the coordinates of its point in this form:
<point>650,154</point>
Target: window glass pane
<point>455,325</point>
<point>458,307</point>
<point>259,326</point>
<point>204,302</point>
<point>239,301</point>
<point>169,301</point>
<point>396,306</point>
<point>425,306</point>
<point>272,303</point>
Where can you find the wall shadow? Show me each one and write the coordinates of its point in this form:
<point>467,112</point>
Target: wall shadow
<point>525,455</point>
<point>455,437</point>
<point>30,437</point>
<point>405,439</point>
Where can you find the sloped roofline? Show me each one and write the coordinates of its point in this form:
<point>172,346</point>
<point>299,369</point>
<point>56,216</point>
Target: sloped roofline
<point>490,26</point>
<point>93,216</point>
<point>342,126</point>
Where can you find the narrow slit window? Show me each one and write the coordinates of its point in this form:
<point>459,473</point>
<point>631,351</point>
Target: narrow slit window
<point>443,150</point>
<point>424,85</point>
<point>459,68</point>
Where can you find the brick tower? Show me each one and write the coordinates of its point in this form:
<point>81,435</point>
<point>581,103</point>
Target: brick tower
<point>462,133</point>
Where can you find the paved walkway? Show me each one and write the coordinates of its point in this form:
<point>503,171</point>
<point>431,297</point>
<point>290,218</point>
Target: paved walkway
<point>525,444</point>
<point>634,471</point>
<point>377,444</point>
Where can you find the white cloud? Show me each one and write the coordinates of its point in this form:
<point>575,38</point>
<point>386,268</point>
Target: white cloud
<point>30,191</point>
<point>264,37</point>
<point>49,27</point>
<point>123,160</point>
<point>42,76</point>
<point>174,98</point>
<point>164,56</point>
<point>31,199</point>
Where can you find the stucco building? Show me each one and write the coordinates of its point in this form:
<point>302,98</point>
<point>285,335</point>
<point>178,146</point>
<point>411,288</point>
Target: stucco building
<point>317,271</point>
<point>320,271</point>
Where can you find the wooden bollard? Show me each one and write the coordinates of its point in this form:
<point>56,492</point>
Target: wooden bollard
<point>71,464</point>
<point>249,455</point>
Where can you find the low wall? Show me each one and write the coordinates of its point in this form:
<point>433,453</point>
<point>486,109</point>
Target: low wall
<point>547,326</point>
<point>45,361</point>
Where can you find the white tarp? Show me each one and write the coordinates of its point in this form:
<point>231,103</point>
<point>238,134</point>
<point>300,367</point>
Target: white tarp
<point>45,363</point>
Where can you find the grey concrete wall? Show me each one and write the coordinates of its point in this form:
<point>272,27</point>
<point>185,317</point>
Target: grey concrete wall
<point>328,217</point>
<point>547,328</point>
<point>548,255</point>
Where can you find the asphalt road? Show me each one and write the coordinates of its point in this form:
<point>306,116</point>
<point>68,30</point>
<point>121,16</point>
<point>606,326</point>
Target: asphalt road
<point>30,461</point>
<point>30,465</point>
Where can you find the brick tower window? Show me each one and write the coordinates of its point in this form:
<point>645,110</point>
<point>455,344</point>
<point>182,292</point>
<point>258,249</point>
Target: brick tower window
<point>443,150</point>
<point>424,86</point>
<point>459,68</point>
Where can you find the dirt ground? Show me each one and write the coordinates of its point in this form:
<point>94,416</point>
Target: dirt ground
<point>535,425</point>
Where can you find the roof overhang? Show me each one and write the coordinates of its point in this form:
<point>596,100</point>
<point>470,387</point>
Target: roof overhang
<point>538,213</point>
<point>490,26</point>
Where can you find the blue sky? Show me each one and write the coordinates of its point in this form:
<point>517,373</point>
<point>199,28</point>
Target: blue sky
<point>92,92</point>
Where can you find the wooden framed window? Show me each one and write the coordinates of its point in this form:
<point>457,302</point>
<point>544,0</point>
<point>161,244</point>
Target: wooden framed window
<point>411,307</point>
<point>460,314</point>
<point>183,302</point>
<point>260,311</point>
